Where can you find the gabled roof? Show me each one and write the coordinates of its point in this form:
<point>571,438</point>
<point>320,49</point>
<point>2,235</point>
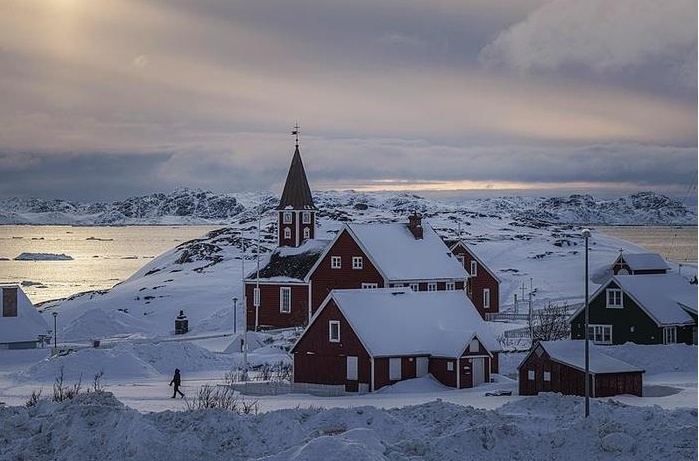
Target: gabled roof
<point>27,325</point>
<point>297,193</point>
<point>397,255</point>
<point>643,261</point>
<point>572,354</point>
<point>666,298</point>
<point>470,251</point>
<point>397,322</point>
<point>290,263</point>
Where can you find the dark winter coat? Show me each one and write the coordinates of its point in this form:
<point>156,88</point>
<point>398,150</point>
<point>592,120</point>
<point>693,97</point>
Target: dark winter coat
<point>176,378</point>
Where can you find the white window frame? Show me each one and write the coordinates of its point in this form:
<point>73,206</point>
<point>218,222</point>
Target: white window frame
<point>352,368</point>
<point>285,300</point>
<point>450,366</point>
<point>336,262</point>
<point>486,298</point>
<point>415,286</point>
<point>451,286</point>
<point>357,262</point>
<point>531,375</point>
<point>395,372</point>
<point>431,286</point>
<point>474,268</point>
<point>615,298</point>
<point>334,326</point>
<point>256,297</point>
<point>287,232</point>
<point>306,233</point>
<point>369,286</point>
<point>288,217</point>
<point>306,217</point>
<point>670,335</point>
<point>597,334</point>
<point>547,376</point>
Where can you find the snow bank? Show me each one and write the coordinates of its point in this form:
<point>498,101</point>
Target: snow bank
<point>546,427</point>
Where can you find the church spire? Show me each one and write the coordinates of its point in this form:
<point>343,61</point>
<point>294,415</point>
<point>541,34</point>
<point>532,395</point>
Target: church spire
<point>297,193</point>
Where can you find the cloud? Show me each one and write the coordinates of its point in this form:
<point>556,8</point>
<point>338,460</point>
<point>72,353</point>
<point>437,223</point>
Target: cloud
<point>602,35</point>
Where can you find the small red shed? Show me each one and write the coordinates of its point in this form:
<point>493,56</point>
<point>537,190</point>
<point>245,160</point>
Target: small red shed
<point>559,366</point>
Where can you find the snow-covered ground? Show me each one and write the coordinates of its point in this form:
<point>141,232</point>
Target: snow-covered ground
<point>418,419</point>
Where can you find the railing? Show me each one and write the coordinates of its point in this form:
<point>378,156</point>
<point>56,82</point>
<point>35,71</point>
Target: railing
<point>505,316</point>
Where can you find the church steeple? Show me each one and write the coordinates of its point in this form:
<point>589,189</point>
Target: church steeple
<point>296,221</point>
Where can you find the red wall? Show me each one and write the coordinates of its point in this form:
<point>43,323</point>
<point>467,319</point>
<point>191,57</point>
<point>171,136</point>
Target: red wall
<point>479,283</point>
<point>269,314</point>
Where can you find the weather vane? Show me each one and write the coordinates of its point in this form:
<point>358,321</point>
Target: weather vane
<point>295,132</point>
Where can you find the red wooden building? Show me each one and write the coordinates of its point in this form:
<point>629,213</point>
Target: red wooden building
<point>366,339</point>
<point>483,285</point>
<point>559,366</point>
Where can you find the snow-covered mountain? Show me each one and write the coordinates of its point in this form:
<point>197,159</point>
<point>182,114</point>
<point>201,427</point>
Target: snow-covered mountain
<point>196,206</point>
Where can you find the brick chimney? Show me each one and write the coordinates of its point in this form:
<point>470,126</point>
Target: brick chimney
<point>415,225</point>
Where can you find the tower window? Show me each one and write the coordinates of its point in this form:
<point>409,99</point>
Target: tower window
<point>288,217</point>
<point>306,233</point>
<point>287,232</point>
<point>306,217</point>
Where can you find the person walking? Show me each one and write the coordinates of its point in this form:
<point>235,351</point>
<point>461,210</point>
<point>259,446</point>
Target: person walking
<point>176,380</point>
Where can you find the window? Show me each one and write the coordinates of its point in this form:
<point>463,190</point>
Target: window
<point>334,333</point>
<point>357,262</point>
<point>474,346</point>
<point>306,233</point>
<point>486,298</point>
<point>366,286</point>
<point>474,268</point>
<point>288,217</point>
<point>285,300</point>
<point>530,375</point>
<point>432,286</point>
<point>600,334</point>
<point>287,232</point>
<point>394,369</point>
<point>415,286</point>
<point>451,286</point>
<point>461,259</point>
<point>615,299</point>
<point>256,296</point>
<point>335,262</point>
<point>352,368</point>
<point>450,366</point>
<point>669,335</point>
<point>547,376</point>
<point>306,217</point>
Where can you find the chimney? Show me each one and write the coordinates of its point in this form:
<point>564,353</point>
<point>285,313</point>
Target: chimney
<point>415,225</point>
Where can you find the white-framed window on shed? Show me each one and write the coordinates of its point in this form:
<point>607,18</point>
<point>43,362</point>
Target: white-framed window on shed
<point>285,300</point>
<point>415,286</point>
<point>352,368</point>
<point>615,298</point>
<point>669,335</point>
<point>547,376</point>
<point>368,286</point>
<point>531,375</point>
<point>474,268</point>
<point>357,262</point>
<point>600,334</point>
<point>288,217</point>
<point>450,286</point>
<point>394,369</point>
<point>336,262</point>
<point>306,217</point>
<point>287,232</point>
<point>306,233</point>
<point>450,366</point>
<point>432,286</point>
<point>486,298</point>
<point>334,331</point>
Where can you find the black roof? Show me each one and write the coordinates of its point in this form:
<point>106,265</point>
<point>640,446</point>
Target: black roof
<point>297,193</point>
<point>295,265</point>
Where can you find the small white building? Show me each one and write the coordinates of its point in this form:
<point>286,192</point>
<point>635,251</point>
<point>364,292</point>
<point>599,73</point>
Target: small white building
<point>20,323</point>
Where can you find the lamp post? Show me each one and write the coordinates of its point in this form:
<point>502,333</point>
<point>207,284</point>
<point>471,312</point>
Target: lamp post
<point>586,235</point>
<point>55,342</point>
<point>235,318</point>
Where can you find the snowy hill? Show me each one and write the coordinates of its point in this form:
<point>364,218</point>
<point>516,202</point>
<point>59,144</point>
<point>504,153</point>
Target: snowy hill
<point>196,206</point>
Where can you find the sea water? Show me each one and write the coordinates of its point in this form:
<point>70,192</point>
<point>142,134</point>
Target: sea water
<point>101,256</point>
<point>105,256</point>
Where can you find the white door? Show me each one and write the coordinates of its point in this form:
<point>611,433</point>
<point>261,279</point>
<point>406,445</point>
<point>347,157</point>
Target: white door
<point>422,365</point>
<point>352,368</point>
<point>394,369</point>
<point>478,371</point>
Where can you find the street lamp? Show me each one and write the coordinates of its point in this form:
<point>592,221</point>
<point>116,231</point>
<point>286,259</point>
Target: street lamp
<point>235,309</point>
<point>586,235</point>
<point>55,346</point>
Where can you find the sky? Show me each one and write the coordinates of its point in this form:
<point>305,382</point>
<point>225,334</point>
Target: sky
<point>103,100</point>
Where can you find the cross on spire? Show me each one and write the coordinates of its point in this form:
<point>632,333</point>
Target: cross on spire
<point>295,132</point>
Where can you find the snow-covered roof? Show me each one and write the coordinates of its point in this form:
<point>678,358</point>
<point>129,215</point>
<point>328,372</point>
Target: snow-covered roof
<point>572,353</point>
<point>398,255</point>
<point>644,261</point>
<point>394,322</point>
<point>662,296</point>
<point>27,325</point>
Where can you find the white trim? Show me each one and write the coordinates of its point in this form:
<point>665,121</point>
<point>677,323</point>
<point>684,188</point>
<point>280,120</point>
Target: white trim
<point>290,216</point>
<point>369,286</point>
<point>486,298</point>
<point>450,286</point>
<point>332,323</point>
<point>474,268</point>
<point>283,290</point>
<point>475,256</point>
<point>431,286</point>
<point>335,262</point>
<point>616,295</point>
<point>303,217</point>
<point>600,328</point>
<point>357,262</point>
<point>287,233</point>
<point>414,286</point>
<point>670,338</point>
